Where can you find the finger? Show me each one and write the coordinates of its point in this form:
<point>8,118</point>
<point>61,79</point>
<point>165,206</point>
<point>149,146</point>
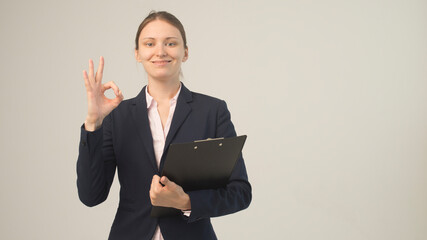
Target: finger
<point>112,85</point>
<point>152,188</point>
<point>152,194</point>
<point>156,178</point>
<point>118,99</point>
<point>85,77</point>
<point>99,72</point>
<point>91,78</point>
<point>155,185</point>
<point>170,185</point>
<point>165,181</point>
<point>121,95</point>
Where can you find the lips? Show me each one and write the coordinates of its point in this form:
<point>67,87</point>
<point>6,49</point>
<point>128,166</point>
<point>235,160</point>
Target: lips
<point>161,62</point>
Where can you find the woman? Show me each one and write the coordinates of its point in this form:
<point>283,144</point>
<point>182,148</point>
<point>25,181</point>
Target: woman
<point>133,135</point>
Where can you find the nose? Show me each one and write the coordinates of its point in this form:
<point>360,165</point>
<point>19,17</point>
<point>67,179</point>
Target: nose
<point>160,51</point>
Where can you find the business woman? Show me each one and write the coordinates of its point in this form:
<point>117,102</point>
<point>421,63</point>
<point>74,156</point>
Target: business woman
<point>133,135</point>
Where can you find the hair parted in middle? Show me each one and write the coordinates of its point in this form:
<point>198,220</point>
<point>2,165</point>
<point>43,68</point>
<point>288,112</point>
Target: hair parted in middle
<point>165,16</point>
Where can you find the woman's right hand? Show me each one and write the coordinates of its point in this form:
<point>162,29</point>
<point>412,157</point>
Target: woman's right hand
<point>99,106</point>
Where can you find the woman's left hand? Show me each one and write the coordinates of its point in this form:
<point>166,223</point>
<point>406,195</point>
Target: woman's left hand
<point>168,195</point>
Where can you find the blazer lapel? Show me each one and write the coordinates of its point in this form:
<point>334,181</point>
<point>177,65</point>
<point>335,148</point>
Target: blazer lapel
<point>182,110</point>
<point>140,115</point>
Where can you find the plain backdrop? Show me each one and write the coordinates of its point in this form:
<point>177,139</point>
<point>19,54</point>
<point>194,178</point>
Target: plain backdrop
<point>332,95</point>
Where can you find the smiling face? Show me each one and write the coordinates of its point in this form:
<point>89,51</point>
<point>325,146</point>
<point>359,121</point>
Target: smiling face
<point>161,51</point>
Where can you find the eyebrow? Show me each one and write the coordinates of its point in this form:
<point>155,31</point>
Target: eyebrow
<point>154,38</point>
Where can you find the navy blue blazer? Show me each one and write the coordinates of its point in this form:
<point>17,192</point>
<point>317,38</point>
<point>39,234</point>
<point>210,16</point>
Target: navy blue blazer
<point>124,141</point>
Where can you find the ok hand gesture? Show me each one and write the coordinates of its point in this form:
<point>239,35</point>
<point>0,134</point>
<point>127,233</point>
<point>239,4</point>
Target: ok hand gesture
<point>99,106</point>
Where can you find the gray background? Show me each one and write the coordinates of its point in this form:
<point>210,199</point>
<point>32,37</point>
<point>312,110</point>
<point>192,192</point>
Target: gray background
<point>332,95</point>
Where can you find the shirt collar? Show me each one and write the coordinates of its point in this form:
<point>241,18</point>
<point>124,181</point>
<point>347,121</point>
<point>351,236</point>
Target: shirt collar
<point>150,100</point>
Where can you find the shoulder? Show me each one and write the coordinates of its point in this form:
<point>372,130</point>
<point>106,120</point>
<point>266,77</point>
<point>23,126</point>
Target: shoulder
<point>199,97</point>
<point>210,103</point>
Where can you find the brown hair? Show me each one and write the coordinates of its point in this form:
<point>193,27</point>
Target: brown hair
<point>165,16</point>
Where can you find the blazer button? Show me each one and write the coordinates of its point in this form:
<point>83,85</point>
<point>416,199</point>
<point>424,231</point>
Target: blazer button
<point>83,143</point>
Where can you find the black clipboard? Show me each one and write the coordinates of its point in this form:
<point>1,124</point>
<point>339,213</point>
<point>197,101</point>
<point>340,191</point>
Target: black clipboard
<point>203,164</point>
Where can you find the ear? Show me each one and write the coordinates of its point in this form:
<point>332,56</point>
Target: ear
<point>185,55</point>
<point>137,57</point>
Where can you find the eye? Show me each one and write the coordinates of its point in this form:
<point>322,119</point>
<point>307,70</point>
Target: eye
<point>170,44</point>
<point>149,44</point>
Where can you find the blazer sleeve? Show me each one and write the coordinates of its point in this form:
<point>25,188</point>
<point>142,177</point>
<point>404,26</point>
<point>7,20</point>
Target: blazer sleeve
<point>237,194</point>
<point>96,163</point>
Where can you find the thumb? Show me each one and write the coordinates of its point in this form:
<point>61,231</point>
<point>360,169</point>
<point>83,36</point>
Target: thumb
<point>118,98</point>
<point>165,181</point>
<point>119,95</point>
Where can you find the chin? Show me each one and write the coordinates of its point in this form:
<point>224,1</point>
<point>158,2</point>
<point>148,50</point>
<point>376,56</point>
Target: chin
<point>163,76</point>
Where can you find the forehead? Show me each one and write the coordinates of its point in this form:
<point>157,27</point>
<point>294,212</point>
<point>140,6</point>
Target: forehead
<point>159,29</point>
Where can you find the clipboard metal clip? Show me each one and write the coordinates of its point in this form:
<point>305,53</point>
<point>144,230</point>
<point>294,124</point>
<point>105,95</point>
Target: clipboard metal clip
<point>208,139</point>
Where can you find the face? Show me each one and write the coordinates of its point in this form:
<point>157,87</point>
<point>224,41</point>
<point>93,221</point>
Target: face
<point>161,51</point>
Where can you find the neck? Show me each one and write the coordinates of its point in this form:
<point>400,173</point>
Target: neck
<point>163,90</point>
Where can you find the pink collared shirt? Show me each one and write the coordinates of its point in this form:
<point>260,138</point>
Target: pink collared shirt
<point>159,134</point>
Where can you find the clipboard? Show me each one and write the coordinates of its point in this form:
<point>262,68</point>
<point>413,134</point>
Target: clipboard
<point>203,164</point>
